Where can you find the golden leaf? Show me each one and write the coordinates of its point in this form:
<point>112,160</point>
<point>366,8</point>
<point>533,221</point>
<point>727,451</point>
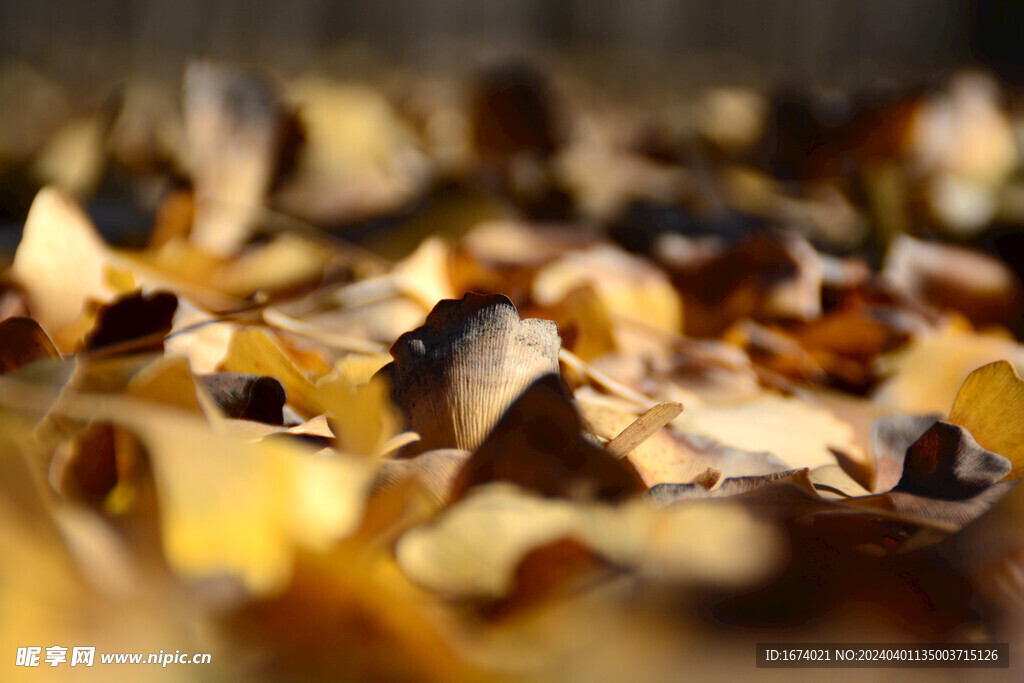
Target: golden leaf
<point>990,406</point>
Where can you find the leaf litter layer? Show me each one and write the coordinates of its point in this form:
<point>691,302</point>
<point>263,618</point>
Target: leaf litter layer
<point>442,388</point>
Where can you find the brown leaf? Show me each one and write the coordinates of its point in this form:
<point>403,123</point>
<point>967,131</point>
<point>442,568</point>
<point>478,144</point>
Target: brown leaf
<point>893,435</point>
<point>946,462</point>
<point>924,511</point>
<point>538,445</point>
<point>944,276</point>
<point>770,275</point>
<point>669,493</point>
<point>248,397</point>
<point>455,376</point>
<point>144,319</point>
<point>23,340</point>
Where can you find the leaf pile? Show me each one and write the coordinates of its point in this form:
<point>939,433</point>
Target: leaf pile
<point>545,394</point>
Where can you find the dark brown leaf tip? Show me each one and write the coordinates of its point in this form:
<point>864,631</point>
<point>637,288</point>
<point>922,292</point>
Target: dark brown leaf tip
<point>144,319</point>
<point>23,340</point>
<point>247,397</point>
<point>947,462</point>
<point>455,376</point>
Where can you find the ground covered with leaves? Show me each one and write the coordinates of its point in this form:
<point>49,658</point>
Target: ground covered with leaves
<point>505,378</point>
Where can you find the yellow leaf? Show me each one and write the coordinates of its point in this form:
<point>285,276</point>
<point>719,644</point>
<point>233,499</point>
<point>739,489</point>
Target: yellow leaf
<point>990,405</point>
<point>798,434</point>
<point>928,372</point>
<point>253,352</point>
<point>60,262</point>
<point>473,549</point>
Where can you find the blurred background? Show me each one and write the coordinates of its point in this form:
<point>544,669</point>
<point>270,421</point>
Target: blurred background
<point>70,70</point>
<point>806,39</point>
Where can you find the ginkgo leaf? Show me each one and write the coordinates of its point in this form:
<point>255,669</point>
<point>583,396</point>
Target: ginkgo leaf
<point>989,406</point>
<point>798,434</point>
<point>459,554</point>
<point>248,397</point>
<point>669,456</point>
<point>61,260</point>
<point>947,462</point>
<point>454,377</point>
<point>436,470</point>
<point>925,375</point>
<point>538,445</point>
<point>227,506</point>
<point>626,285</point>
<point>252,351</point>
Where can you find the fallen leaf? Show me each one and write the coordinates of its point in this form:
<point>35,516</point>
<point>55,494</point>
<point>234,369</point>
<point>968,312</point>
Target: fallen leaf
<point>459,553</point>
<point>626,285</point>
<point>253,352</point>
<point>892,436</point>
<point>538,445</point>
<point>60,262</point>
<point>979,286</point>
<point>925,375</point>
<point>947,462</point>
<point>455,377</point>
<point>798,434</point>
<point>23,340</point>
<point>248,397</point>
<point>989,406</point>
<point>670,456</point>
<point>138,321</point>
<point>436,470</point>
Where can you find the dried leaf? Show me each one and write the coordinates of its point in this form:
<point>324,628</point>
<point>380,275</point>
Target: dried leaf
<point>60,262</point>
<point>798,434</point>
<point>946,462</point>
<point>981,287</point>
<point>23,340</point>
<point>455,377</point>
<point>363,418</point>
<point>138,321</point>
<point>989,405</point>
<point>436,470</point>
<point>248,397</point>
<point>626,285</point>
<point>226,506</point>
<point>253,352</point>
<point>926,374</point>
<point>538,445</point>
<point>673,457</point>
<point>892,436</point>
<point>460,553</point>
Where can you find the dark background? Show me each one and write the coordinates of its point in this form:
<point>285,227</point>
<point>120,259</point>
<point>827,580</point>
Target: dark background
<point>825,40</point>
